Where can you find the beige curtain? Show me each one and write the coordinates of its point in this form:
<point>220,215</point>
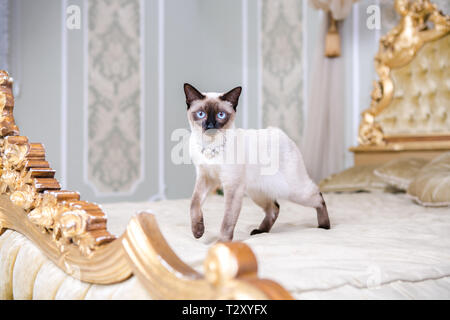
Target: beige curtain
<point>323,141</point>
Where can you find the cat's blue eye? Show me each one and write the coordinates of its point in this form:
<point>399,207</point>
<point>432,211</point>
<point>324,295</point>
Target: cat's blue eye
<point>221,115</point>
<point>201,114</point>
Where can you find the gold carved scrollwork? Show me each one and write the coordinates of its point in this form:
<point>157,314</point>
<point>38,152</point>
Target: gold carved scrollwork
<point>420,23</point>
<point>46,212</point>
<point>29,182</point>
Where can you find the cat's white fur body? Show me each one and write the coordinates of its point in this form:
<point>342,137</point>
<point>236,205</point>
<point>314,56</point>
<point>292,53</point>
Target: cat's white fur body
<point>281,177</point>
<point>265,164</point>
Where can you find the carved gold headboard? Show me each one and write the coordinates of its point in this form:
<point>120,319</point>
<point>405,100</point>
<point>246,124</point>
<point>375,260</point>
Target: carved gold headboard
<point>410,107</point>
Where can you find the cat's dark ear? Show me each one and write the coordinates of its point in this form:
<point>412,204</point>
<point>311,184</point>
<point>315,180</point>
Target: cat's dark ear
<point>192,94</point>
<point>232,96</point>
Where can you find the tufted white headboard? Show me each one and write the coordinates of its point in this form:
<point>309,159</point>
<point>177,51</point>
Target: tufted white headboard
<point>410,107</point>
<point>421,101</point>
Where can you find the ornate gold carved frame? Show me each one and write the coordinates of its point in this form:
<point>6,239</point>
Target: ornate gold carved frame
<point>72,233</point>
<point>397,48</point>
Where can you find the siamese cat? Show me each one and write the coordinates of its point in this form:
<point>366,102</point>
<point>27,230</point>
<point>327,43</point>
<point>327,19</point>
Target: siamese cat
<point>212,117</point>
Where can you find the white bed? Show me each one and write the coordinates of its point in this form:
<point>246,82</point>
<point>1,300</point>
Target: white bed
<point>381,245</point>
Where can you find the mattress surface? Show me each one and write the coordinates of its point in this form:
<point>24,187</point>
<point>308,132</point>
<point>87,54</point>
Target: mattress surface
<point>380,246</point>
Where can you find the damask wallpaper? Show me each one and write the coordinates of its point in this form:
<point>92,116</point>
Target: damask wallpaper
<point>281,41</point>
<point>114,95</point>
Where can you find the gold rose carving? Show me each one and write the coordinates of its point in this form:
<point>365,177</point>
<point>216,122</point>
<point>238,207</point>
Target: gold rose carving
<point>421,22</point>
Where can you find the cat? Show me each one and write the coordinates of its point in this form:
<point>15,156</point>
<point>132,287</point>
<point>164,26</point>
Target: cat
<point>211,118</point>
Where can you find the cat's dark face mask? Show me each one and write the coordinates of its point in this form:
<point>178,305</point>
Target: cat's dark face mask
<point>211,113</point>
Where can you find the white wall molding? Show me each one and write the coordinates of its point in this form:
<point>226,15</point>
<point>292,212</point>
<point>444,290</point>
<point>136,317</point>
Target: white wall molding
<point>305,60</point>
<point>355,74</point>
<point>64,124</point>
<point>259,64</point>
<point>245,63</point>
<point>161,195</point>
<point>143,89</point>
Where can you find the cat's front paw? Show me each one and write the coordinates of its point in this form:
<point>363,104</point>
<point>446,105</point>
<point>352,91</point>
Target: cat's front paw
<point>198,230</point>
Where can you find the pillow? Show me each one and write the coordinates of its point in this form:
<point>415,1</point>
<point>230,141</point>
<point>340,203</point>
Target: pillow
<point>400,172</point>
<point>431,187</point>
<point>357,178</point>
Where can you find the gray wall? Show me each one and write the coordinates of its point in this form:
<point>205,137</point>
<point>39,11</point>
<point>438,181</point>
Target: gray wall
<point>203,46</point>
<point>4,33</point>
<point>35,35</point>
<point>212,44</point>
<point>196,41</point>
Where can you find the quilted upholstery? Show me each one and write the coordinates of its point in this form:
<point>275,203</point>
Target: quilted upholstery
<point>421,102</point>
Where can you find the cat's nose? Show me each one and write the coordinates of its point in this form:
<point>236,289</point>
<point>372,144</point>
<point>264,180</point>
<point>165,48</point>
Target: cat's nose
<point>210,125</point>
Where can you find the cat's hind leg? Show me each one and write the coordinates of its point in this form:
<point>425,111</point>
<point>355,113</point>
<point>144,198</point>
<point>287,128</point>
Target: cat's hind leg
<point>271,209</point>
<point>315,200</point>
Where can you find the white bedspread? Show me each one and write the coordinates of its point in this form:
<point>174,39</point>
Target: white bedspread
<point>381,245</point>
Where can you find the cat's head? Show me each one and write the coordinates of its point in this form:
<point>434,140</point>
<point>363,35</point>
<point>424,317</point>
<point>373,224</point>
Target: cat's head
<point>211,112</point>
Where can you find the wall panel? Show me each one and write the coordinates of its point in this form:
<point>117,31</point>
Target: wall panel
<point>108,134</point>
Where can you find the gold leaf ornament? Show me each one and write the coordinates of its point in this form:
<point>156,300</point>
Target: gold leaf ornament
<point>45,212</point>
<point>14,155</point>
<point>24,198</point>
<point>72,223</point>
